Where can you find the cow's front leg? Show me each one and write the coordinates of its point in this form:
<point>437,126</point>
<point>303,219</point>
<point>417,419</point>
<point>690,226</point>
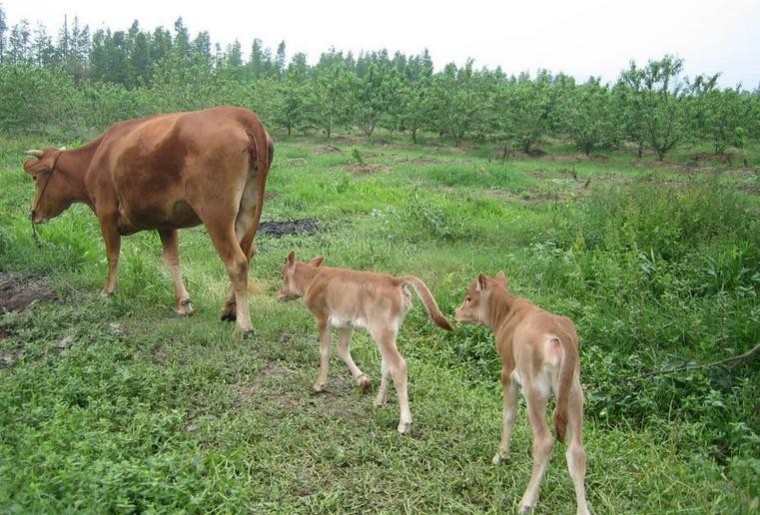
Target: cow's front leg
<point>112,239</point>
<point>171,258</point>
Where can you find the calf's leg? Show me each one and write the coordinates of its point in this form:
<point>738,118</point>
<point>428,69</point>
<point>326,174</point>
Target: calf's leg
<point>386,340</point>
<point>324,354</point>
<point>345,354</point>
<point>543,442</point>
<point>508,415</point>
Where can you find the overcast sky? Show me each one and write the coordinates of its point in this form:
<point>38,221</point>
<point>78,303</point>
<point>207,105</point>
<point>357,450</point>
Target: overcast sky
<point>580,37</point>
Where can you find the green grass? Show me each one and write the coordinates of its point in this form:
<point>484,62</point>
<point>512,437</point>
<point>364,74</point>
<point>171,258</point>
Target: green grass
<point>144,412</point>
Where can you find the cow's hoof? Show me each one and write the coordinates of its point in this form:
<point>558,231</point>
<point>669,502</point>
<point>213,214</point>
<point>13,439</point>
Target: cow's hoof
<point>404,428</point>
<point>106,293</point>
<point>247,333</point>
<point>364,382</point>
<point>381,401</point>
<point>526,509</point>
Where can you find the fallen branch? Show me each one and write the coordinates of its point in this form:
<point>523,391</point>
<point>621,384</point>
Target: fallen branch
<point>732,362</point>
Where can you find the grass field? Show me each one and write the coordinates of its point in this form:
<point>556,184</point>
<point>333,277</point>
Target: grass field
<point>117,405</point>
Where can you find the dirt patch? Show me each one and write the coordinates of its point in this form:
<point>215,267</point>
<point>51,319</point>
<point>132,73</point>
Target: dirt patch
<point>18,292</point>
<point>327,149</point>
<point>278,228</point>
<point>8,358</point>
<point>274,383</point>
<point>365,169</point>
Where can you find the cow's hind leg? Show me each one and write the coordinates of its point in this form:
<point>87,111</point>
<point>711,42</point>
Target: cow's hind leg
<point>171,258</point>
<point>236,262</point>
<point>246,223</point>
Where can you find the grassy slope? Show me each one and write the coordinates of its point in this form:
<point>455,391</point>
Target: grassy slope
<point>145,411</point>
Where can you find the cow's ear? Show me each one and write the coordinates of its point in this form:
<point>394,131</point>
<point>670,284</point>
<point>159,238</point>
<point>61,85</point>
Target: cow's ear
<point>501,278</point>
<point>482,282</point>
<point>291,258</point>
<point>317,260</point>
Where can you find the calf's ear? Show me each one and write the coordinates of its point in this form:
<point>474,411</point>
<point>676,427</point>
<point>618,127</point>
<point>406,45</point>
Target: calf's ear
<point>501,278</point>
<point>291,258</point>
<point>482,282</point>
<point>317,260</point>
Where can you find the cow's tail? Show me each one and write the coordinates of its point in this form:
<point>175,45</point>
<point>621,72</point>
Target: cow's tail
<point>261,151</point>
<point>428,300</point>
<point>566,375</point>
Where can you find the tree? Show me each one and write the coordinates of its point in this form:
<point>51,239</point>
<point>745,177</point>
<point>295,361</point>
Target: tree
<point>720,116</point>
<point>588,116</point>
<point>332,101</point>
<point>660,102</point>
<point>234,55</point>
<point>279,60</point>
<point>43,52</point>
<point>3,34</point>
<point>292,107</point>
<point>19,43</point>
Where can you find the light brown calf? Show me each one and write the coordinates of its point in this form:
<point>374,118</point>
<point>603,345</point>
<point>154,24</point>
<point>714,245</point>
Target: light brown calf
<point>348,299</point>
<point>539,351</point>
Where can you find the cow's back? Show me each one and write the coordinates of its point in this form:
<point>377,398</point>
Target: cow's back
<point>154,164</point>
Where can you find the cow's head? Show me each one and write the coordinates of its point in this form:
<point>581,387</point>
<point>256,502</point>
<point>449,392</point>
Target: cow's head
<point>50,197</point>
<point>296,276</point>
<point>475,306</point>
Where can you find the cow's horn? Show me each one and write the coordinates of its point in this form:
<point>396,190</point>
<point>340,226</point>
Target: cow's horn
<point>34,153</point>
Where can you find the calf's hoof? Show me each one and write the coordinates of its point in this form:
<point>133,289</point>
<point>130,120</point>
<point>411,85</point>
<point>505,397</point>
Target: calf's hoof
<point>318,387</point>
<point>404,428</point>
<point>184,308</point>
<point>526,509</point>
<point>364,382</point>
<point>380,401</point>
<point>499,458</point>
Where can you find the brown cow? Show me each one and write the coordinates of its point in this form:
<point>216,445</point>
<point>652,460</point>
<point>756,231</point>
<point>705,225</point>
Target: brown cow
<point>167,172</point>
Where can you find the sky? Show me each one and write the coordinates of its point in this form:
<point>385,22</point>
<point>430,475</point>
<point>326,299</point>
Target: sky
<point>578,37</point>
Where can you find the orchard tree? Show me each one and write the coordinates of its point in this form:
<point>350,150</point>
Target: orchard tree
<point>331,101</point>
<point>588,116</point>
<point>664,113</point>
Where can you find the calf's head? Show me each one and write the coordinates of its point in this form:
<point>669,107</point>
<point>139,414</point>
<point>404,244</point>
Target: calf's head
<point>51,190</point>
<point>296,276</point>
<point>476,304</point>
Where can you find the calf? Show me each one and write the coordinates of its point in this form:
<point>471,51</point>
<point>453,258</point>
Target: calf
<point>348,299</point>
<point>539,351</point>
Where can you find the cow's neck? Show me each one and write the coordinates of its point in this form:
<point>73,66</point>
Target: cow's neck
<point>72,165</point>
<point>500,308</point>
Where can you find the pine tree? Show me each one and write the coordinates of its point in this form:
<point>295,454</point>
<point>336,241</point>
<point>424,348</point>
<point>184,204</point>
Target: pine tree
<point>279,60</point>
<point>19,43</point>
<point>3,34</point>
<point>43,52</point>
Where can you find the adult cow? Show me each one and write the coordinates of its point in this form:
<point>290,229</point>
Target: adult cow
<point>167,172</point>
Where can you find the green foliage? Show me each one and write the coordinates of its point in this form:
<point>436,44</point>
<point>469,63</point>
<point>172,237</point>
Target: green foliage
<point>590,118</point>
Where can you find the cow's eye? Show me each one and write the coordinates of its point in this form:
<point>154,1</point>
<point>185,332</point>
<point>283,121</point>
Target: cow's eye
<point>468,300</point>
